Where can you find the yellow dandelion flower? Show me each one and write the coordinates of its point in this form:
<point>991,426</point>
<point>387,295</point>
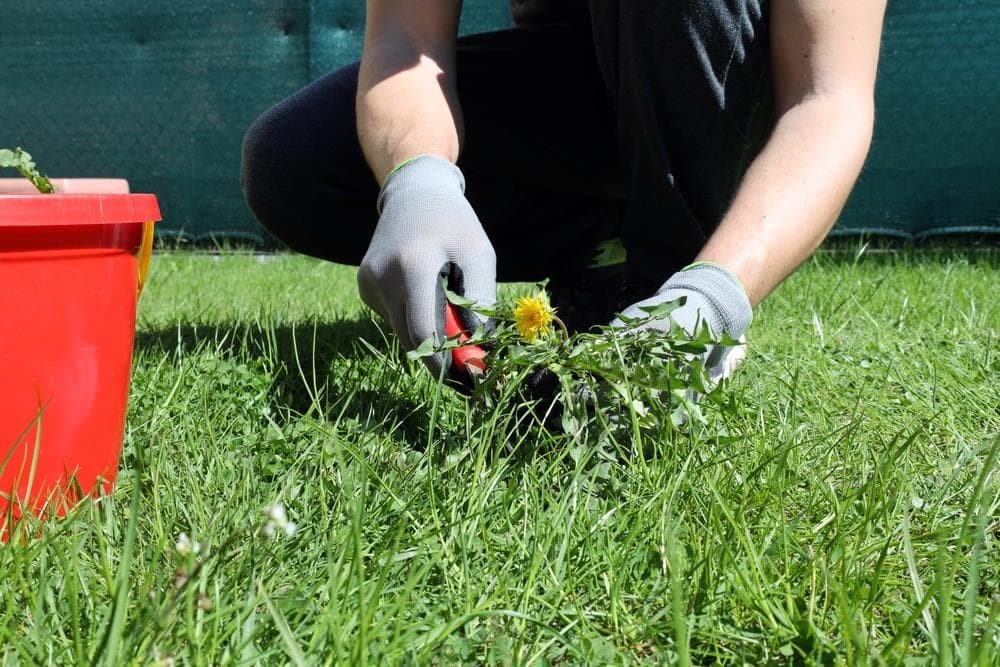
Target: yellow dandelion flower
<point>533,316</point>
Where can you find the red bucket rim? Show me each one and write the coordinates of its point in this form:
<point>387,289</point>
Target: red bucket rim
<point>82,209</point>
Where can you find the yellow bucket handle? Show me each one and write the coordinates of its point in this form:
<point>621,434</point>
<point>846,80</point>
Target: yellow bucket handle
<point>145,253</point>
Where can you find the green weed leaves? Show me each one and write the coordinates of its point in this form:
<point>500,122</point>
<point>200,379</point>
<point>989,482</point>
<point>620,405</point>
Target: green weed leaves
<point>629,378</point>
<point>21,160</point>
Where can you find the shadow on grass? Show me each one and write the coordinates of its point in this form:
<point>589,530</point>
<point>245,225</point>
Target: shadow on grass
<point>327,370</point>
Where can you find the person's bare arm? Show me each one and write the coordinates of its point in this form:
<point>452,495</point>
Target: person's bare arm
<point>406,102</point>
<point>824,57</point>
<point>428,237</point>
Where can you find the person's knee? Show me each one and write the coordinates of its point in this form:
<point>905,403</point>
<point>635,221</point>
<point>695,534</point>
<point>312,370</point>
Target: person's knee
<point>303,172</point>
<point>274,181</point>
<point>260,170</point>
<point>315,195</point>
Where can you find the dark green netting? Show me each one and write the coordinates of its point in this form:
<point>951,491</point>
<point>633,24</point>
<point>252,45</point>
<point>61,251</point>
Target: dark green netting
<point>934,167</point>
<point>161,93</point>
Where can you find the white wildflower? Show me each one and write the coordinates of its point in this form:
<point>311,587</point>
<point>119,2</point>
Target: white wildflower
<point>185,545</point>
<point>276,520</point>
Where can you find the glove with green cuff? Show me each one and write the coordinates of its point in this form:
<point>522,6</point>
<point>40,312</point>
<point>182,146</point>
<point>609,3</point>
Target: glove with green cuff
<point>427,237</point>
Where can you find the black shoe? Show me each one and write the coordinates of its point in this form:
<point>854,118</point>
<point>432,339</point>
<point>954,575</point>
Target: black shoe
<point>588,298</point>
<point>595,296</point>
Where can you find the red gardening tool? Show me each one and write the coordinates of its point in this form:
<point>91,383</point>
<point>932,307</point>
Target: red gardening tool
<point>470,358</point>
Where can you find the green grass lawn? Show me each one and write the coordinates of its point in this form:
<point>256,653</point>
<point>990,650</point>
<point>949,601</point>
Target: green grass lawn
<point>848,514</point>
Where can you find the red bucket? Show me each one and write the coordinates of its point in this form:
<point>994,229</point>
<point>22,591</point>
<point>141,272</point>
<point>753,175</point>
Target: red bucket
<point>71,268</point>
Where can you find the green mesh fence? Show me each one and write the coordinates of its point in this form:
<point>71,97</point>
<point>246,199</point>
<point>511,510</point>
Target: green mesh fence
<point>161,94</point>
<point>934,167</point>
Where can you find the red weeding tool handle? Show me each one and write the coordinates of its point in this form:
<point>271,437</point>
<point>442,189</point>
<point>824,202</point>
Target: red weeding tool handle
<point>470,358</point>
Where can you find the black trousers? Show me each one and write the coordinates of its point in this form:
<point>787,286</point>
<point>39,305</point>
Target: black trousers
<point>635,119</point>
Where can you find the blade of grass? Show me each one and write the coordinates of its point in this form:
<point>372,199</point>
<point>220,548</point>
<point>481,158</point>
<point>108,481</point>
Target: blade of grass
<point>287,637</point>
<point>107,650</point>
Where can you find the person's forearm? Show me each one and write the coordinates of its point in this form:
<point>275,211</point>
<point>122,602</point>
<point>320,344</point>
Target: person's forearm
<point>793,192</point>
<point>407,105</point>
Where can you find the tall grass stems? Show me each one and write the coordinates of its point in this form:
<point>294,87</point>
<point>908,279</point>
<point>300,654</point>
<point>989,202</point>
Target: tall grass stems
<point>844,513</point>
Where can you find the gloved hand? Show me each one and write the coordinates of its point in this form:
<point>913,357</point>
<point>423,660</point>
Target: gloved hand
<point>714,297</point>
<point>427,237</point>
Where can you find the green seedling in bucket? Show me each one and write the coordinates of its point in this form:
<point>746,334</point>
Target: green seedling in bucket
<point>21,160</point>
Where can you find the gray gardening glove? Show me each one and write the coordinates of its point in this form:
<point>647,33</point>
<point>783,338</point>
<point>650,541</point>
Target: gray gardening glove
<point>715,297</point>
<point>427,237</point>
